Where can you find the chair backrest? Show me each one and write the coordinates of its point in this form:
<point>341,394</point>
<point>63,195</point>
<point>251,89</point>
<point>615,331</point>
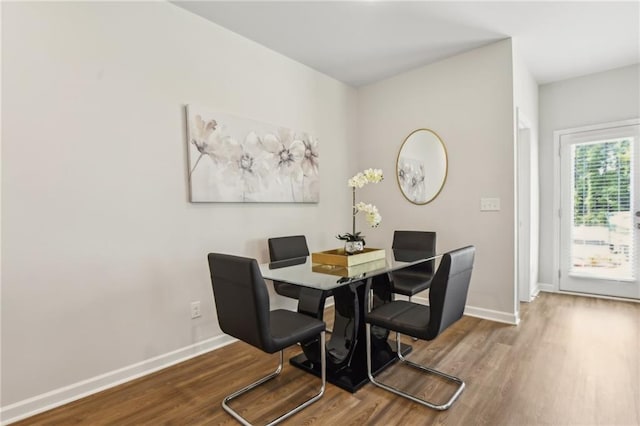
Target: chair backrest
<point>282,248</point>
<point>449,288</point>
<point>241,298</point>
<point>416,241</point>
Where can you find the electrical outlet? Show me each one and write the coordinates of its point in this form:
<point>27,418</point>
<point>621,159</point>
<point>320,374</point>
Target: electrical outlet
<point>489,204</point>
<point>195,309</point>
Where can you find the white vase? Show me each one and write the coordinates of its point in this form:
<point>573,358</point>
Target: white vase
<point>352,247</point>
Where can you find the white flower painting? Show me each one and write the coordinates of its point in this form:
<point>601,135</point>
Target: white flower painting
<point>411,177</point>
<point>233,159</point>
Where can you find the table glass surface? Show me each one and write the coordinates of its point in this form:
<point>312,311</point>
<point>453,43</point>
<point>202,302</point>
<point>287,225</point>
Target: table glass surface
<point>302,271</point>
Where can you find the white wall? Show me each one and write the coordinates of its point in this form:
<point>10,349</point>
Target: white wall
<point>101,251</point>
<point>468,100</point>
<point>598,98</point>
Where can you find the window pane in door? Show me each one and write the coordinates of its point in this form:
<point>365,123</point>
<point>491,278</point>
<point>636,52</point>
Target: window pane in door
<point>602,239</point>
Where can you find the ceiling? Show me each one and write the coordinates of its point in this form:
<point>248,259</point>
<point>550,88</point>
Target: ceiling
<point>361,42</point>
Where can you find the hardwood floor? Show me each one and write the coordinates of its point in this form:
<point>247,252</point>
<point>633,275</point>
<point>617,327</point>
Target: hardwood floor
<point>571,361</point>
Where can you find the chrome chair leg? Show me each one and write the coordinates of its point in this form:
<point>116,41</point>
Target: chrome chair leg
<point>399,348</point>
<point>242,420</point>
<point>439,407</point>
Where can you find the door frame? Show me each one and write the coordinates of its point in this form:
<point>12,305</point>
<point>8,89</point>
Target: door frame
<point>556,191</point>
<point>526,288</point>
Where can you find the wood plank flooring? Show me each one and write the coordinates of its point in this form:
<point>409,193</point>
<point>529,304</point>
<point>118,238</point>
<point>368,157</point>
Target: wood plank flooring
<point>572,361</point>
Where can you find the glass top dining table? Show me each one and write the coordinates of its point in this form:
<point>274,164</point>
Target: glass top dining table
<point>303,272</point>
<point>345,349</point>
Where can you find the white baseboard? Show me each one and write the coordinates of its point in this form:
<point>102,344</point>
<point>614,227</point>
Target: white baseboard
<point>549,288</point>
<point>535,291</point>
<point>55,398</point>
<point>488,314</point>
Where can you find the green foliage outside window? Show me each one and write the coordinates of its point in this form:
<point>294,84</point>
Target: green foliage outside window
<point>602,181</point>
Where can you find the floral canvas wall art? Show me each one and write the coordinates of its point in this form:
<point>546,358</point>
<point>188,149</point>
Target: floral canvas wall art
<point>234,159</point>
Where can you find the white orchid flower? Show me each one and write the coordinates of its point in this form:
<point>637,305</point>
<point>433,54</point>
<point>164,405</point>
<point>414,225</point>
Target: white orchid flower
<point>370,211</point>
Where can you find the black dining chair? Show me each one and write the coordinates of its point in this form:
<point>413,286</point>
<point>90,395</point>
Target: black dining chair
<point>285,248</point>
<point>447,299</point>
<point>242,304</point>
<point>414,279</point>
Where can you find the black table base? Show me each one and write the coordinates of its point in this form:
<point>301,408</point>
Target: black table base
<point>351,377</point>
<point>346,345</point>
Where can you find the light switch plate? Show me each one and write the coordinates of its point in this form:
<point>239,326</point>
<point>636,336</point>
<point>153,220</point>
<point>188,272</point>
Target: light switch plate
<point>489,204</point>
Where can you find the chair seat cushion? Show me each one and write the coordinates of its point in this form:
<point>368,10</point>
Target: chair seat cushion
<point>408,282</point>
<point>401,316</point>
<point>289,328</point>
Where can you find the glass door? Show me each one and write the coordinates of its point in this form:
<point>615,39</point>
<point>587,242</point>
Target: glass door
<point>600,214</point>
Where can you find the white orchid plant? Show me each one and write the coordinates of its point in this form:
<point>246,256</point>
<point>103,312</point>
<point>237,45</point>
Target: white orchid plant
<point>371,212</point>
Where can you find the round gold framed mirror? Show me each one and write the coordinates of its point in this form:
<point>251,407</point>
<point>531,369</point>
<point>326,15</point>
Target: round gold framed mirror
<point>421,167</point>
